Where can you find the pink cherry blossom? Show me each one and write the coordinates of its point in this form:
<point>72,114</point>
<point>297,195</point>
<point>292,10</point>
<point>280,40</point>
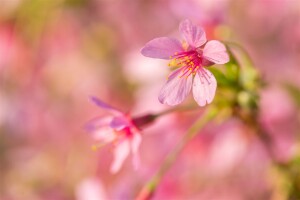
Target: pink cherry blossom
<point>192,58</point>
<point>117,128</point>
<point>91,188</point>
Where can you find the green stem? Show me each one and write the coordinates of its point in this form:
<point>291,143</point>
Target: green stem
<point>176,109</point>
<point>149,189</point>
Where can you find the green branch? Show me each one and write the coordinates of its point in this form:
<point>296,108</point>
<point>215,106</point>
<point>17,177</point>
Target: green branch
<point>149,189</point>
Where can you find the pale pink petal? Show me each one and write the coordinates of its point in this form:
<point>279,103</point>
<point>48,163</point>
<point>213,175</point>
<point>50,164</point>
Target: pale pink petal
<point>105,106</point>
<point>121,152</point>
<point>204,87</point>
<point>135,144</point>
<point>119,123</point>
<point>175,73</point>
<point>215,52</point>
<point>104,135</point>
<point>162,47</point>
<point>91,189</point>
<point>97,123</point>
<point>194,35</point>
<point>176,88</point>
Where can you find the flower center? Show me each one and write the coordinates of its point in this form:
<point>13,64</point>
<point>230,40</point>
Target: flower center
<point>190,61</point>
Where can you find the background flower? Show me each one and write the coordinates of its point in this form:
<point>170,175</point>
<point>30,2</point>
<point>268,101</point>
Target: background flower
<point>118,129</point>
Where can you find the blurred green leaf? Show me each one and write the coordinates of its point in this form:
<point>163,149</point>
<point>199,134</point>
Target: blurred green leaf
<point>232,71</point>
<point>76,3</point>
<point>247,100</point>
<point>232,67</point>
<point>33,15</point>
<point>223,81</point>
<point>249,78</point>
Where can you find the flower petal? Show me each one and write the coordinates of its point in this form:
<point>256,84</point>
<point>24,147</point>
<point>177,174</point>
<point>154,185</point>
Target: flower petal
<point>100,129</point>
<point>119,123</point>
<point>104,135</point>
<point>162,47</point>
<point>105,106</point>
<point>194,35</point>
<point>135,144</point>
<point>97,123</point>
<point>176,88</point>
<point>204,87</point>
<point>121,152</point>
<point>90,188</point>
<point>215,52</point>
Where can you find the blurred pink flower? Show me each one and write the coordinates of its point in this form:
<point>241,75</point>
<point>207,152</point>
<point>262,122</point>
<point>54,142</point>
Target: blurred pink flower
<point>118,129</point>
<point>280,122</point>
<point>91,189</point>
<point>192,58</point>
<point>7,40</point>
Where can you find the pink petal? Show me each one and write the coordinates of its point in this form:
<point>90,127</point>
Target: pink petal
<point>204,87</point>
<point>162,47</point>
<point>135,144</point>
<point>91,189</point>
<point>194,35</point>
<point>176,88</point>
<point>121,152</point>
<point>215,52</point>
<point>97,123</point>
<point>119,123</point>
<point>100,129</point>
<point>104,135</point>
<point>105,106</point>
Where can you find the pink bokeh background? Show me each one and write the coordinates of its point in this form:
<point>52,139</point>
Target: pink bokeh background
<point>54,54</point>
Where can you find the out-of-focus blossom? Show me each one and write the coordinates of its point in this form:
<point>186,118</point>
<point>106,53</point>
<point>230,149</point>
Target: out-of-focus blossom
<point>209,13</point>
<point>192,57</point>
<point>228,148</point>
<point>8,7</point>
<point>91,189</point>
<point>6,43</point>
<point>119,129</point>
<point>279,121</point>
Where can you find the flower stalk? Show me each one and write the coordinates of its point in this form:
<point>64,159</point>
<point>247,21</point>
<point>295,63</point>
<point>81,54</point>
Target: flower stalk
<point>150,187</point>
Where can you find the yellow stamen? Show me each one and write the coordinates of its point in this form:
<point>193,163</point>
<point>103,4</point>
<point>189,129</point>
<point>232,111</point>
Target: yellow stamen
<point>173,63</point>
<point>185,45</point>
<point>95,147</point>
